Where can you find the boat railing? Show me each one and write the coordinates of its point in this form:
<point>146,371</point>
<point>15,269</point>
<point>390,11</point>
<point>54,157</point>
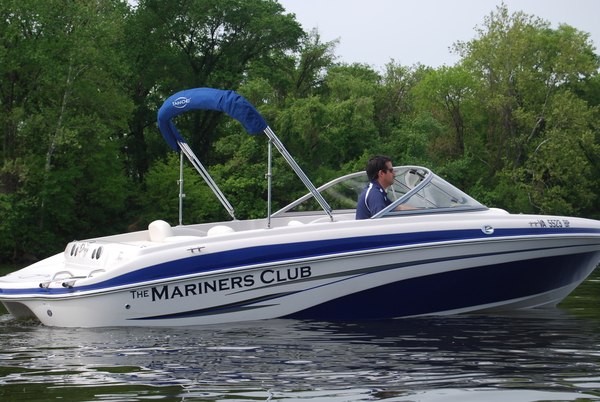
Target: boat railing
<point>69,281</point>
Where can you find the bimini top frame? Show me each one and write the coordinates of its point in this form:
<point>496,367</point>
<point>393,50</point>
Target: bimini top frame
<point>240,109</point>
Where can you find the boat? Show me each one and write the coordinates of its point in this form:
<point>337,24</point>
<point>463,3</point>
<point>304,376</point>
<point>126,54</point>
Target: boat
<point>447,254</point>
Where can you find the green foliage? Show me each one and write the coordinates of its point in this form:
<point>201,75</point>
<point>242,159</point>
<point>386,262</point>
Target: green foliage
<point>161,199</point>
<point>447,93</point>
<point>514,123</point>
<point>532,135</point>
<point>62,110</point>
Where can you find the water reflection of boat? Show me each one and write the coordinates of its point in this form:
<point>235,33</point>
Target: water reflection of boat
<point>448,255</point>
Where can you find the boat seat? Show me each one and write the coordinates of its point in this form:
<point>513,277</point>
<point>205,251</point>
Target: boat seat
<point>219,230</point>
<point>159,231</point>
<point>412,179</point>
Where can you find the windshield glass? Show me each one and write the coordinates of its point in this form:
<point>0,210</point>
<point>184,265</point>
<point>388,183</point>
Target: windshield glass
<point>414,186</point>
<point>427,191</point>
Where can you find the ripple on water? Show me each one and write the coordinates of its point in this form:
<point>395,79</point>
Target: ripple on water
<point>520,357</point>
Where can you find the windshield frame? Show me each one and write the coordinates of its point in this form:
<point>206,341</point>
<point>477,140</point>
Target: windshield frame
<point>426,176</point>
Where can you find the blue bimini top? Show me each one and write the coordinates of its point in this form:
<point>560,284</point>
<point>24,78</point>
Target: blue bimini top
<point>229,102</point>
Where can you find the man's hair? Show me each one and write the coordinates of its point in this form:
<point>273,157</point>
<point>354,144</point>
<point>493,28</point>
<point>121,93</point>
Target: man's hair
<point>375,164</point>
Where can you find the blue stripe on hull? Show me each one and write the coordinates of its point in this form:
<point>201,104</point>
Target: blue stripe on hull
<point>456,289</point>
<point>309,249</point>
<point>286,252</point>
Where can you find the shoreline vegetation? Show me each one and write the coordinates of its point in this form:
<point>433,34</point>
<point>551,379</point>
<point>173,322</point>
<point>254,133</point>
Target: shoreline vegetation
<point>515,123</point>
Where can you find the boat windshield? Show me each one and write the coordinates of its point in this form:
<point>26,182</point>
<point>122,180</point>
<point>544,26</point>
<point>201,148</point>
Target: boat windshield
<point>416,188</point>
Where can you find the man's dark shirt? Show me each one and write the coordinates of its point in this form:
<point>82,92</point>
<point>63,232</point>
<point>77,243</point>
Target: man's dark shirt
<point>372,200</point>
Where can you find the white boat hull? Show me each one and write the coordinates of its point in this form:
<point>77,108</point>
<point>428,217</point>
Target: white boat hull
<point>315,272</point>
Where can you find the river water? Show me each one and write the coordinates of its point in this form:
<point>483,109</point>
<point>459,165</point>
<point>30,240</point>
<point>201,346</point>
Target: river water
<point>537,355</point>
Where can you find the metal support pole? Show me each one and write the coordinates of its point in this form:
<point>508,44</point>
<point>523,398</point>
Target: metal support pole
<point>269,179</point>
<point>185,148</point>
<point>181,194</point>
<point>299,172</point>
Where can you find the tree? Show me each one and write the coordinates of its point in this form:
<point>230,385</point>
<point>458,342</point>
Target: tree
<point>395,100</point>
<point>182,44</point>
<point>447,93</point>
<point>62,112</point>
<point>522,70</point>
